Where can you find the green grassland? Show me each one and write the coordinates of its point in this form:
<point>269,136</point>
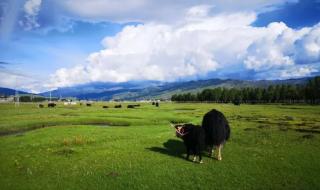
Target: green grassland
<point>79,147</point>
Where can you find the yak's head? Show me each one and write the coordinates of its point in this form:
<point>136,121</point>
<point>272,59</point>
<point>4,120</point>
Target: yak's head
<point>182,129</point>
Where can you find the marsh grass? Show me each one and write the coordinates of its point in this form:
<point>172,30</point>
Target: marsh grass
<point>271,147</point>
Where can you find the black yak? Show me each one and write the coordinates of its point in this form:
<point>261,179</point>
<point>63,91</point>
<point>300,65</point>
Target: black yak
<point>88,104</point>
<point>40,106</point>
<point>118,106</point>
<point>105,106</point>
<point>51,105</point>
<point>193,138</point>
<point>133,106</point>
<point>157,104</point>
<point>217,131</point>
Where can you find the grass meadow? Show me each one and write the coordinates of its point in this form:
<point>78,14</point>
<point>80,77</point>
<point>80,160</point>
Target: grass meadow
<point>79,147</point>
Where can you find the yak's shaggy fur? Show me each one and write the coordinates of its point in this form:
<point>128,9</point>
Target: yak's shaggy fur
<point>217,130</point>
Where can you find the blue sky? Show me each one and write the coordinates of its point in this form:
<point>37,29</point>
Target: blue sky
<point>47,44</point>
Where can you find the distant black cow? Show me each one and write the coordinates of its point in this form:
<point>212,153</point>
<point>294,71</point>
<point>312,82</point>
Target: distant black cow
<point>194,139</point>
<point>88,104</point>
<point>217,131</point>
<point>157,104</point>
<point>51,105</point>
<point>118,106</point>
<point>40,106</point>
<point>133,106</point>
<point>105,106</point>
<point>153,103</point>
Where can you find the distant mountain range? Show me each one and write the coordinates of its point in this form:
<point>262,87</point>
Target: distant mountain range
<point>9,91</point>
<point>138,90</point>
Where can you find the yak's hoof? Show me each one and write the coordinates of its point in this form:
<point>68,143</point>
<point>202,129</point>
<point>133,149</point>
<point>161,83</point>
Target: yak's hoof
<point>194,159</point>
<point>219,158</point>
<point>201,162</point>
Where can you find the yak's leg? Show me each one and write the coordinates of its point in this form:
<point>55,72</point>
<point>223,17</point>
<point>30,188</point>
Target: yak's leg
<point>200,157</point>
<point>212,151</point>
<point>198,153</point>
<point>219,152</point>
<point>188,153</point>
<point>194,155</point>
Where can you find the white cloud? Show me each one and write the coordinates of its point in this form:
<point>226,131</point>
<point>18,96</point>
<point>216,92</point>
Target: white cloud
<point>31,9</point>
<point>165,11</point>
<point>20,81</point>
<point>296,72</point>
<point>308,47</point>
<point>225,42</point>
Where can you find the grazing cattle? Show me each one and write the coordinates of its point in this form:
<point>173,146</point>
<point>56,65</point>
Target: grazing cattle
<point>133,106</point>
<point>153,103</point>
<point>217,131</point>
<point>40,106</point>
<point>105,106</point>
<point>157,104</point>
<point>193,138</point>
<point>118,106</point>
<point>51,105</point>
<point>88,104</point>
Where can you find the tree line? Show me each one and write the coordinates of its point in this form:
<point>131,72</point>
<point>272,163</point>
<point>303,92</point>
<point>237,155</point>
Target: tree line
<point>284,93</point>
<point>29,98</point>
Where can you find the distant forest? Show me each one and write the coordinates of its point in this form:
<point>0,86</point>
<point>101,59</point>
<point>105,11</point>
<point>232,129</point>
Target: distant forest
<point>306,93</point>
